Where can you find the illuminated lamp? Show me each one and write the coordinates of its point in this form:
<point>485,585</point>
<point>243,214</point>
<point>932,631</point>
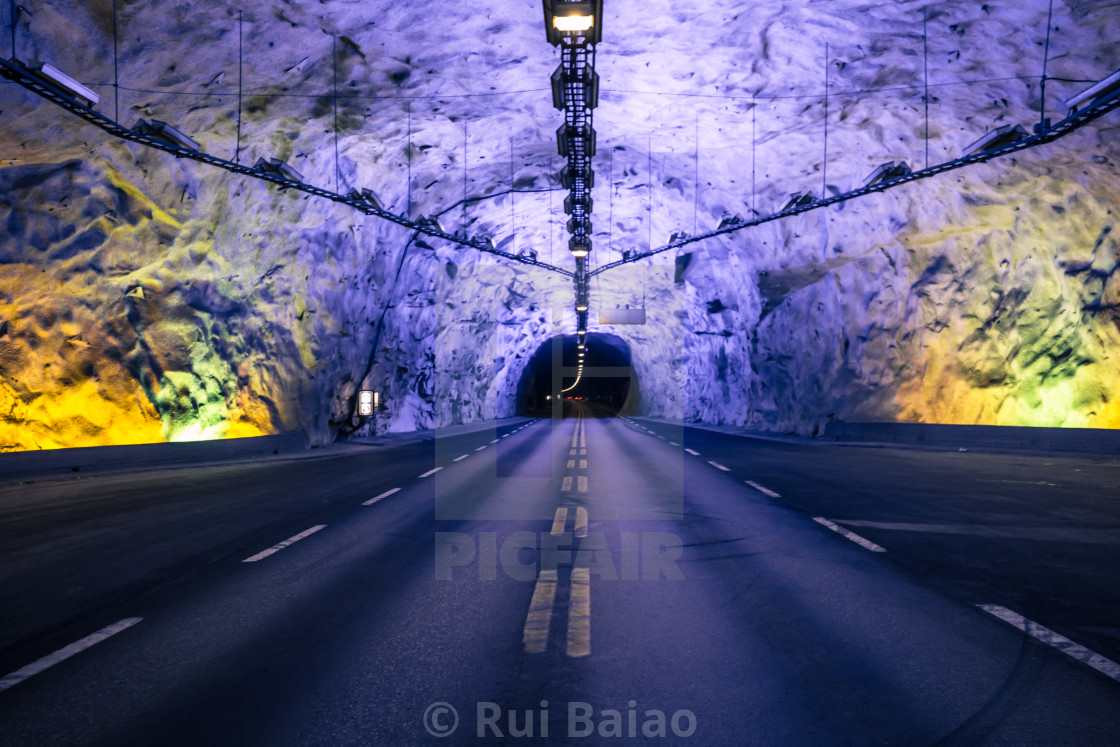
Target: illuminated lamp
<point>577,20</point>
<point>166,133</point>
<point>1102,92</point>
<point>996,139</point>
<point>279,168</point>
<point>579,248</point>
<point>60,80</point>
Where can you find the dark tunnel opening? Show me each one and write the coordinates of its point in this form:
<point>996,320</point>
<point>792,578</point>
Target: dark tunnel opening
<point>550,383</point>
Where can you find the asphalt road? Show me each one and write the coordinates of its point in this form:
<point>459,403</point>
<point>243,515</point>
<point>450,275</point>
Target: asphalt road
<point>571,581</point>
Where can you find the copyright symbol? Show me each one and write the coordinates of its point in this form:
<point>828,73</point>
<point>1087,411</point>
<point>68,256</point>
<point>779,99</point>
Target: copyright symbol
<point>441,719</point>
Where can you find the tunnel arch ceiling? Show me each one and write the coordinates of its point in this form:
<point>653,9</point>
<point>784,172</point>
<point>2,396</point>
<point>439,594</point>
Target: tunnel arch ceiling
<point>144,298</point>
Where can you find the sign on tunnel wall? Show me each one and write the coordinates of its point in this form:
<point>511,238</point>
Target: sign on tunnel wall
<point>622,316</point>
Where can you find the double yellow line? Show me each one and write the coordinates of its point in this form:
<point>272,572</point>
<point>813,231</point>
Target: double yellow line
<point>539,620</point>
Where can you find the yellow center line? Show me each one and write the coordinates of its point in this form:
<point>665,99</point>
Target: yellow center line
<point>535,635</point>
<point>571,464</point>
<point>560,520</point>
<point>581,522</point>
<point>567,484</point>
<point>583,452</point>
<point>582,483</point>
<point>579,614</point>
<point>583,464</point>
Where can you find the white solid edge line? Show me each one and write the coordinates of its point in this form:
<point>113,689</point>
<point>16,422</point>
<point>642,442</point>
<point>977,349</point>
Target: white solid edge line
<point>1105,666</point>
<point>867,544</point>
<point>386,494</point>
<point>459,459</point>
<point>65,653</point>
<point>277,548</point>
<point>430,472</point>
<point>693,453</point>
<point>719,466</point>
<point>761,489</point>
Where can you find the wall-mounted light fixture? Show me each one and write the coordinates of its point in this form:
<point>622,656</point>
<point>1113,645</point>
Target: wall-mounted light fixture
<point>166,133</point>
<point>278,168</point>
<point>60,80</point>
<point>996,139</point>
<point>1106,90</point>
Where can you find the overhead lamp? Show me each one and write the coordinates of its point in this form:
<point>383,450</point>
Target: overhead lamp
<point>731,220</point>
<point>568,175</point>
<point>579,248</point>
<point>576,136</point>
<point>1106,90</point>
<point>165,133</point>
<point>996,139</point>
<point>582,346</point>
<point>279,168</point>
<point>561,80</point>
<point>60,80</point>
<point>678,236</point>
<point>798,199</point>
<point>581,20</point>
<point>886,172</point>
<point>575,225</point>
<point>585,202</point>
<point>627,254</point>
<point>581,305</point>
<point>530,254</point>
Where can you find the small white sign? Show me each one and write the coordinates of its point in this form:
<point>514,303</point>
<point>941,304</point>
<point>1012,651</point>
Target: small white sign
<point>365,402</point>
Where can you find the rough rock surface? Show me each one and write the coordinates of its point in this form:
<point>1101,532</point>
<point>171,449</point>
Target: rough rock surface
<point>144,298</point>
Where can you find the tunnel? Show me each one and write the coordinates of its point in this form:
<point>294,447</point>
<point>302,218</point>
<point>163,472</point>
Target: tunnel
<point>551,379</point>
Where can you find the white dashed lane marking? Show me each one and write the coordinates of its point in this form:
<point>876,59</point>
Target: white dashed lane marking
<point>480,448</point>
<point>719,466</point>
<point>377,498</point>
<point>1105,666</point>
<point>65,653</point>
<point>868,544</point>
<point>693,453</point>
<point>461,458</point>
<point>761,489</point>
<point>277,548</point>
<point>431,472</point>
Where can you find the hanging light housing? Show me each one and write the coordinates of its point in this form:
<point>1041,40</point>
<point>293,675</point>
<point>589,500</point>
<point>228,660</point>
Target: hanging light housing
<point>573,20</point>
